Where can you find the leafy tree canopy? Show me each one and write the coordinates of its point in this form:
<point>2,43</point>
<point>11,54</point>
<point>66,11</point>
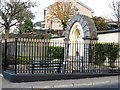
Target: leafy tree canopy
<point>27,26</point>
<point>62,11</point>
<point>100,23</point>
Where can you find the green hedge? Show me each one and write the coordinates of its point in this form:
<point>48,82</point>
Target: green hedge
<point>106,50</point>
<point>24,60</point>
<point>55,52</point>
<point>99,54</point>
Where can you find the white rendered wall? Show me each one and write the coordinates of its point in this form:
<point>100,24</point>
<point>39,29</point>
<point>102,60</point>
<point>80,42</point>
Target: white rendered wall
<point>109,37</point>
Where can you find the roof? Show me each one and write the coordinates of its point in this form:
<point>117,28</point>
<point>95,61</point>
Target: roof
<point>108,31</point>
<point>85,6</point>
<point>75,1</point>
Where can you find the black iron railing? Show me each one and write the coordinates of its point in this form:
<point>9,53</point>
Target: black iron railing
<point>46,56</point>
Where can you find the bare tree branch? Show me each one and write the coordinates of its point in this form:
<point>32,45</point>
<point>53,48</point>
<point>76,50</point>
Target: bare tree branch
<point>13,24</point>
<point>2,23</point>
<point>1,26</point>
<point>114,6</point>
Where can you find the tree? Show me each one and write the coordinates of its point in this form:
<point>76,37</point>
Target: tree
<point>14,13</point>
<point>27,26</point>
<point>62,11</point>
<point>100,23</point>
<point>114,5</point>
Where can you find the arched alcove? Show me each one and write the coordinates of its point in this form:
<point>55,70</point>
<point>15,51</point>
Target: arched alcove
<point>76,40</point>
<point>76,32</point>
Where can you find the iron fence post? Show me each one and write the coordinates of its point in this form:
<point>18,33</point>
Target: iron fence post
<point>16,56</point>
<point>65,55</point>
<point>0,56</point>
<point>32,68</point>
<point>5,65</point>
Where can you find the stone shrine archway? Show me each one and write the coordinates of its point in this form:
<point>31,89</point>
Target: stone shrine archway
<point>80,29</point>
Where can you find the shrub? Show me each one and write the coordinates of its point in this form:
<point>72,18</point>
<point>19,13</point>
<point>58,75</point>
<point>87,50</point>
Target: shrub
<point>112,52</point>
<point>99,54</point>
<point>106,50</point>
<point>55,52</point>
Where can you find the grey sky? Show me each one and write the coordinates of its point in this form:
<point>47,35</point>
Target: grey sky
<point>100,7</point>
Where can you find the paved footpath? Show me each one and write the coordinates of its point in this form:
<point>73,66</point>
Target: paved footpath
<point>81,83</point>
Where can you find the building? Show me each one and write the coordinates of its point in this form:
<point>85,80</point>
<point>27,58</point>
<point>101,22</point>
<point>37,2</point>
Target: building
<point>39,27</point>
<point>55,25</point>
